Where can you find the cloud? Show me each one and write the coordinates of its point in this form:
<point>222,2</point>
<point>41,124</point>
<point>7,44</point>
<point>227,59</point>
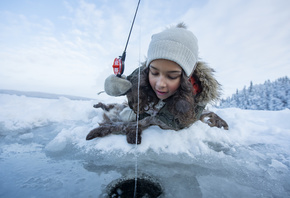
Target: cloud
<point>243,40</point>
<point>71,52</point>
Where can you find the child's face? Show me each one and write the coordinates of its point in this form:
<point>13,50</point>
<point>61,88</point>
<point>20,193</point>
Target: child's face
<point>164,77</point>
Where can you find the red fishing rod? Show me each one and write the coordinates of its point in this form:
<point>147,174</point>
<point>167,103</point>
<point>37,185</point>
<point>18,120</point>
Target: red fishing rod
<point>119,63</point>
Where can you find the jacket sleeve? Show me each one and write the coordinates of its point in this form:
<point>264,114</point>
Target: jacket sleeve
<point>198,111</point>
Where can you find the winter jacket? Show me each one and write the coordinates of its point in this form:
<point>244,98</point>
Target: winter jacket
<point>209,92</point>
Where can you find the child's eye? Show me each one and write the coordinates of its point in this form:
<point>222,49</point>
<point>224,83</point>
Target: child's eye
<point>154,73</point>
<point>173,77</point>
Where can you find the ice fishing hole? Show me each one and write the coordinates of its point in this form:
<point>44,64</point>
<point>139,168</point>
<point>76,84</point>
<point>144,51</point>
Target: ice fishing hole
<point>123,188</point>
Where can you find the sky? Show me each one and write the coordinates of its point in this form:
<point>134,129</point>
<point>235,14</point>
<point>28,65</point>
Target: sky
<point>68,47</point>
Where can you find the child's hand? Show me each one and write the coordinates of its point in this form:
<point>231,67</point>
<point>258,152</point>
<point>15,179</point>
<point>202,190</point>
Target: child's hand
<point>115,86</point>
<point>123,128</point>
<point>131,135</point>
<point>100,131</point>
<point>213,120</point>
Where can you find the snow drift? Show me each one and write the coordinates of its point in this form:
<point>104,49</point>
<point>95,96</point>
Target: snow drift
<point>43,152</point>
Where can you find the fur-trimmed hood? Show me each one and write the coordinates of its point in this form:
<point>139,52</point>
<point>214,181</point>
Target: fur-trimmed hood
<point>180,110</point>
<point>211,89</point>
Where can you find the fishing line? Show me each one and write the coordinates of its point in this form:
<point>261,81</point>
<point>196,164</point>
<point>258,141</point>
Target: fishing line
<point>136,140</point>
<point>118,68</point>
<point>137,121</point>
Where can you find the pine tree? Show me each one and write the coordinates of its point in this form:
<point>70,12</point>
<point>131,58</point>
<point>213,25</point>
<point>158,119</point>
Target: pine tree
<point>268,96</point>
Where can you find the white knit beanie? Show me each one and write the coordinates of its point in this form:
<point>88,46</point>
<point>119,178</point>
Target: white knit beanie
<point>176,44</point>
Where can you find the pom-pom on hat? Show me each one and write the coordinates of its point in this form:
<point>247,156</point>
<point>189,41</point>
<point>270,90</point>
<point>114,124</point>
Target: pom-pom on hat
<point>176,44</point>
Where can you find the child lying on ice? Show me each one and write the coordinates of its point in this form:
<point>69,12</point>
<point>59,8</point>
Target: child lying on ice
<point>174,89</point>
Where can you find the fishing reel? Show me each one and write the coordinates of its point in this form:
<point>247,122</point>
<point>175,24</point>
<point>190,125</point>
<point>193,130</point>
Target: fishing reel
<point>119,65</point>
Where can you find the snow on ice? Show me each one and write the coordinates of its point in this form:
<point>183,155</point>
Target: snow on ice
<point>43,152</point>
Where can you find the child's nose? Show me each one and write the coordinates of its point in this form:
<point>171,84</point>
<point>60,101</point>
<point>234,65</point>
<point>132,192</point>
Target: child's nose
<point>161,82</point>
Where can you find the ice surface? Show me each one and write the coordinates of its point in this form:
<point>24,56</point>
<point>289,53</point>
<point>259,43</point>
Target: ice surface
<point>43,152</point>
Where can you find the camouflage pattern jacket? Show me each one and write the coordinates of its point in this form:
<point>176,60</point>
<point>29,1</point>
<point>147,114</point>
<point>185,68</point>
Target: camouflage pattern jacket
<point>208,91</point>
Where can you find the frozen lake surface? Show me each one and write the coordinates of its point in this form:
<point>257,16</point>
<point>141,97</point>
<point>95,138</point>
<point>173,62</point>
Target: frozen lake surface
<point>43,152</point>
